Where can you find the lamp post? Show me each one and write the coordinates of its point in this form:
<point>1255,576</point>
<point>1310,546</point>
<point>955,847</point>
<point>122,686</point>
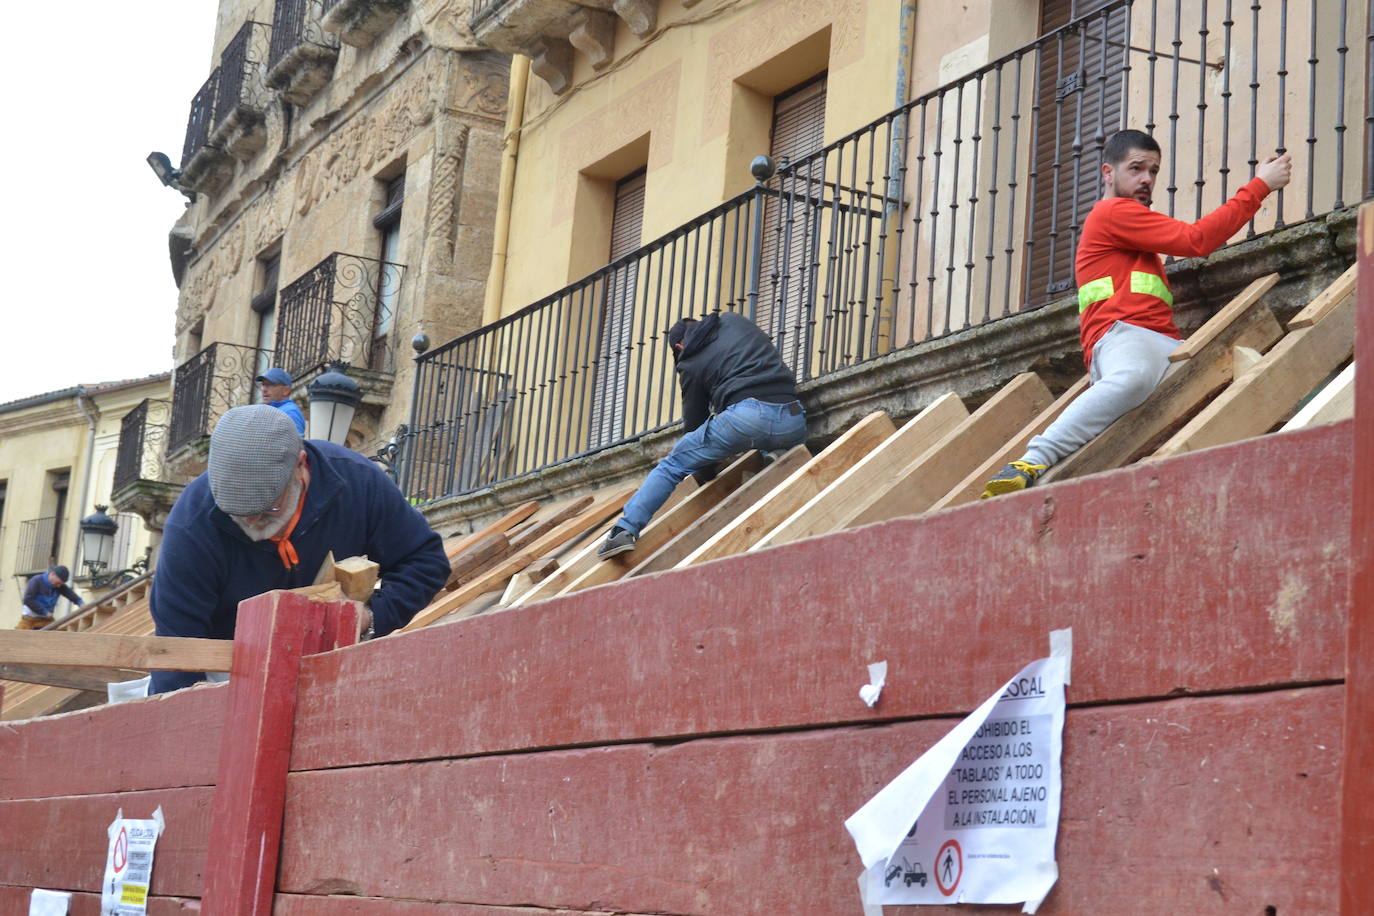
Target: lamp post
<point>334,397</point>
<point>97,541</point>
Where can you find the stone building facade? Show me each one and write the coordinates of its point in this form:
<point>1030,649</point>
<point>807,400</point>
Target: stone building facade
<point>342,161</point>
<point>58,457</point>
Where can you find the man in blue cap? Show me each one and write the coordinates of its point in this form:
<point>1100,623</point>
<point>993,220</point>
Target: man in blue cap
<point>263,516</point>
<point>40,597</point>
<point>275,385</point>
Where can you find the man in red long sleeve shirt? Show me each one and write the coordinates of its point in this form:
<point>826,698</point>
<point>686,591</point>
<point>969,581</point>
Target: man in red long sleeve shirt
<point>1124,303</point>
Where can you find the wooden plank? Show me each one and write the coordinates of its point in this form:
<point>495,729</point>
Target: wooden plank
<point>720,649</point>
<point>74,678</point>
<point>1326,300</point>
<point>793,493</point>
<point>668,525</point>
<point>1261,398</point>
<point>101,650</point>
<point>605,505</point>
<point>748,493</point>
<point>1244,301</point>
<point>1356,860</point>
<point>537,528</point>
<point>500,526</point>
<point>584,558</point>
<point>828,509</point>
<point>1336,401</point>
<point>972,485</point>
<point>916,487</point>
<point>476,557</point>
<point>778,797</point>
<point>1185,387</point>
<point>1243,359</point>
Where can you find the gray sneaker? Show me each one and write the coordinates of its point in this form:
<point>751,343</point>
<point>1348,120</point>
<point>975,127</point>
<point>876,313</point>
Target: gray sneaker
<point>619,541</point>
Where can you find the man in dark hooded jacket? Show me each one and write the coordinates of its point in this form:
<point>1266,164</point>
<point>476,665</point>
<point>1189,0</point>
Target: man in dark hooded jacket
<point>737,394</point>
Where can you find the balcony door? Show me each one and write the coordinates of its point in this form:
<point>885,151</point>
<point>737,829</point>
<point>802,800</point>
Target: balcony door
<point>616,332</point>
<point>791,222</point>
<point>1080,78</point>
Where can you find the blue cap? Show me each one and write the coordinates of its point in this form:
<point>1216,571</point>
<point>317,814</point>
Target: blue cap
<point>275,376</point>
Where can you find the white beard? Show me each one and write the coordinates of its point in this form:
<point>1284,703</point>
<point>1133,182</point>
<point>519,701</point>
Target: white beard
<point>272,526</point>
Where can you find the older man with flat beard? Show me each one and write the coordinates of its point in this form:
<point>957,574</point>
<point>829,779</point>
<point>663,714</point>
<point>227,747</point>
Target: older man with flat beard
<point>263,516</point>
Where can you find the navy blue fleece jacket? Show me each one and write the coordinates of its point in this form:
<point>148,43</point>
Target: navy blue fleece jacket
<point>207,565</point>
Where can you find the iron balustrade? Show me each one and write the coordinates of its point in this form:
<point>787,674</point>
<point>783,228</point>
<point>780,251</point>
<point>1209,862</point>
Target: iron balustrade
<point>199,122</point>
<point>142,437</point>
<point>962,207</point>
<point>206,385</point>
<point>340,309</point>
<point>242,69</point>
<point>295,23</point>
<point>37,545</point>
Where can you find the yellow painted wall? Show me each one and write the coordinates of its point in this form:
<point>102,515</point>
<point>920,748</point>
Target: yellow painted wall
<point>693,105</point>
<point>49,437</point>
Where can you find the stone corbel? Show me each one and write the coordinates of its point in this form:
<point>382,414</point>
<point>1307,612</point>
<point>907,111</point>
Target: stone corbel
<point>208,171</point>
<point>359,22</point>
<point>303,72</point>
<point>640,15</point>
<point>243,133</point>
<point>593,33</point>
<point>551,60</point>
<point>690,3</point>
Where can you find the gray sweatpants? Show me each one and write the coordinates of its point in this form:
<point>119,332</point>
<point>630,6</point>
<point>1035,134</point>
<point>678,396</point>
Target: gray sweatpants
<point>1128,363</point>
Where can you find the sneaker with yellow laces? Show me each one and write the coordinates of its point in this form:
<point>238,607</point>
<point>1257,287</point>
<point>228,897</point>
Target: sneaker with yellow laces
<point>1016,476</point>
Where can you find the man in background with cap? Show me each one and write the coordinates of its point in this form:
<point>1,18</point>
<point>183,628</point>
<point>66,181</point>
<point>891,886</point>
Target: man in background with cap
<point>737,394</point>
<point>263,517</point>
<point>275,385</point>
<point>40,597</point>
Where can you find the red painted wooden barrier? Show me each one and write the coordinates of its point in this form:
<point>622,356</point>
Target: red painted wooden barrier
<point>1357,828</point>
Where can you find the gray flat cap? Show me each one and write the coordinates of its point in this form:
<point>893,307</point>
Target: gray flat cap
<point>252,453</point>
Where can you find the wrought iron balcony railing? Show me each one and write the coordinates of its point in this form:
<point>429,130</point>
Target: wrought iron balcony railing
<point>38,545</point>
<point>296,28</point>
<point>200,121</point>
<point>961,207</point>
<point>340,309</point>
<point>209,383</point>
<point>142,442</point>
<point>242,68</point>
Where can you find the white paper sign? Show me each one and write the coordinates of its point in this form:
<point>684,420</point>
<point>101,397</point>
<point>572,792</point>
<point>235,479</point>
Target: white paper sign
<point>129,865</point>
<point>974,819</point>
<point>49,903</point>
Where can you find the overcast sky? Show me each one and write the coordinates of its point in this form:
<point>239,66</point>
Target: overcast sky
<point>90,90</point>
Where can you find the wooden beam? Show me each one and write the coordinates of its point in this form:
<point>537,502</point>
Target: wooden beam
<point>537,528</point>
<point>357,576</point>
<point>1184,388</point>
<point>668,525</point>
<point>464,566</point>
<point>1327,299</point>
<point>793,493</point>
<point>604,505</point>
<point>1242,304</point>
<point>1257,401</point>
<point>1243,359</point>
<point>973,484</point>
<point>730,508</point>
<point>916,487</point>
<point>503,524</point>
<point>1336,401</point>
<point>828,509</point>
<point>61,676</point>
<point>101,650</point>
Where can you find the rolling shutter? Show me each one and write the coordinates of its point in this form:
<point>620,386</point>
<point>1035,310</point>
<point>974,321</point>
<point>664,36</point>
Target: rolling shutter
<point>617,316</point>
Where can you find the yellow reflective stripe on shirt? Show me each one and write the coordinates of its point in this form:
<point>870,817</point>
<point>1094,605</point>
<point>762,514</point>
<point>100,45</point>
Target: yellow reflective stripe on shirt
<point>1094,292</point>
<point>1102,288</point>
<point>1151,285</point>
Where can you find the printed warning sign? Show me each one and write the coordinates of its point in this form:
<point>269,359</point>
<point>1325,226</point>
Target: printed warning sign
<point>129,865</point>
<point>974,819</point>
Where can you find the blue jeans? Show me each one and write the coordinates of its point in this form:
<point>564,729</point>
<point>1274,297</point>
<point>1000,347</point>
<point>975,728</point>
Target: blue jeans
<point>740,427</point>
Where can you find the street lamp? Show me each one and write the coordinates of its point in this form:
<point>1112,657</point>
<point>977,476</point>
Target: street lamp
<point>97,541</point>
<point>333,399</point>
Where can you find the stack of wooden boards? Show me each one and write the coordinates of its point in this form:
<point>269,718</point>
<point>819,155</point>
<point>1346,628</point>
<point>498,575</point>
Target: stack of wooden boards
<point>1240,375</point>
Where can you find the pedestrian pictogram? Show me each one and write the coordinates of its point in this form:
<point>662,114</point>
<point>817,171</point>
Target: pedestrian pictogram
<point>949,867</point>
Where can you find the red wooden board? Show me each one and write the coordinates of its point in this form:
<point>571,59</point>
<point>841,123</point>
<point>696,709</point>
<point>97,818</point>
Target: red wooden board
<point>61,843</point>
<point>297,905</point>
<point>161,742</point>
<point>1195,574</point>
<point>16,900</point>
<point>1195,805</point>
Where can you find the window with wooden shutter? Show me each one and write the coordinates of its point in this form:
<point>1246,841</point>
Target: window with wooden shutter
<point>1079,109</point>
<point>617,315</point>
<point>791,220</point>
